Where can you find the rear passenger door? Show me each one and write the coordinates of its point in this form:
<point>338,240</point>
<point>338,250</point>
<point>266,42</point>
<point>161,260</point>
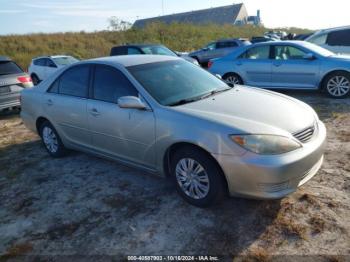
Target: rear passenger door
<point>255,66</point>
<point>65,105</point>
<point>126,134</point>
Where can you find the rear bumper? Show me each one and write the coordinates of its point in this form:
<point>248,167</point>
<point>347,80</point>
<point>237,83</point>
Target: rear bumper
<point>9,100</point>
<point>273,177</point>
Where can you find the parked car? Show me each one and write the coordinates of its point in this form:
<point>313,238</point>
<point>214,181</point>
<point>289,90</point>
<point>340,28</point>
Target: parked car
<point>261,39</point>
<point>12,81</point>
<point>336,40</point>
<point>172,118</point>
<point>286,65</point>
<point>42,67</point>
<point>217,49</point>
<point>149,49</point>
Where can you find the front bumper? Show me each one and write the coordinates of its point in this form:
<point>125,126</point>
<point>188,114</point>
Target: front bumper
<point>273,177</point>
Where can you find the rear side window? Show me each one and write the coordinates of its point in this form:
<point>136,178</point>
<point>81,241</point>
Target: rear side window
<point>120,50</point>
<point>40,62</point>
<point>339,38</point>
<point>110,84</point>
<point>9,67</point>
<point>257,53</point>
<point>226,44</point>
<point>75,81</point>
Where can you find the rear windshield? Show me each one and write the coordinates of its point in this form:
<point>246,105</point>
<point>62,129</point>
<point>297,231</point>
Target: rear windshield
<point>9,67</point>
<point>65,60</point>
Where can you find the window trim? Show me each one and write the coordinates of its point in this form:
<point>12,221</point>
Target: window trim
<point>59,82</point>
<point>286,45</point>
<point>91,89</point>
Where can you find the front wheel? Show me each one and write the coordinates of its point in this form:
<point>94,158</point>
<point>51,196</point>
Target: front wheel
<point>51,140</point>
<point>197,177</point>
<point>337,85</point>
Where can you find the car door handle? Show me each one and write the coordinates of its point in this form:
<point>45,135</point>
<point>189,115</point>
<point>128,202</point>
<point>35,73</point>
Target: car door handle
<point>277,65</point>
<point>94,112</point>
<point>239,63</point>
<point>49,102</point>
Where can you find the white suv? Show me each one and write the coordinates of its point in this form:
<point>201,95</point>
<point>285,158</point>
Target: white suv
<point>336,40</point>
<point>41,67</point>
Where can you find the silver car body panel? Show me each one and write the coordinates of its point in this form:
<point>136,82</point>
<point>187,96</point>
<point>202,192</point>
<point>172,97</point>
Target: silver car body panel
<point>142,138</point>
<point>281,74</point>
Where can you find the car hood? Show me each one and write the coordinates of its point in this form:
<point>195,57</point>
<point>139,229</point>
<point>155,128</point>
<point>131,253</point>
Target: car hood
<point>254,111</point>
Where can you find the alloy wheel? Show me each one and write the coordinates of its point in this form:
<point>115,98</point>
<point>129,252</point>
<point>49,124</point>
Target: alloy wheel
<point>50,139</point>
<point>192,178</point>
<point>232,79</point>
<point>338,86</point>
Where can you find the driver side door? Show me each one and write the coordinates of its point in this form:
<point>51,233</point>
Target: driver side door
<point>126,134</point>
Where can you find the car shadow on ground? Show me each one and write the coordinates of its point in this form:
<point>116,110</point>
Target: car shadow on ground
<point>83,205</point>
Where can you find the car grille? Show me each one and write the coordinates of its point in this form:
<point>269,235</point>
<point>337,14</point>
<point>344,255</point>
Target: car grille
<point>305,135</point>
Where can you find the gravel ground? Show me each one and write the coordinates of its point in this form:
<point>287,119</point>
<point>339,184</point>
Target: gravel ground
<point>81,206</point>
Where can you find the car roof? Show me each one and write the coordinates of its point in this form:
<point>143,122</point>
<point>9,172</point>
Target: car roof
<point>137,45</point>
<point>131,60</point>
<point>4,59</point>
<point>50,56</point>
<point>332,29</point>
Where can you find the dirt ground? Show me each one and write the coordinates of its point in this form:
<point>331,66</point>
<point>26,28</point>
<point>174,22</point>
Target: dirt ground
<point>81,206</point>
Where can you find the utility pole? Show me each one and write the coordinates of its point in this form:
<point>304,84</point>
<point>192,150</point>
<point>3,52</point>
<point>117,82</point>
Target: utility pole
<point>162,7</point>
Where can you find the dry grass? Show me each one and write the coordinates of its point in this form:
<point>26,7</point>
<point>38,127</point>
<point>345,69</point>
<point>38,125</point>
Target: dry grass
<point>318,224</point>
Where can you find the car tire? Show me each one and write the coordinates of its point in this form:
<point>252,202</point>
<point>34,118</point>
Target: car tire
<point>337,85</point>
<point>233,79</point>
<point>197,177</point>
<point>51,140</point>
<point>35,79</point>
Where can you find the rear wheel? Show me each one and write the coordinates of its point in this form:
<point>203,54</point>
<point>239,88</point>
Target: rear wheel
<point>337,84</point>
<point>197,177</point>
<point>51,140</point>
<point>233,79</point>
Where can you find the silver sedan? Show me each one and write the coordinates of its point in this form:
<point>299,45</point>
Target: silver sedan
<point>169,117</point>
<point>286,65</point>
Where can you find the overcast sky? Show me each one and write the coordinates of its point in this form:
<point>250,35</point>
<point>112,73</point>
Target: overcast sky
<point>27,16</point>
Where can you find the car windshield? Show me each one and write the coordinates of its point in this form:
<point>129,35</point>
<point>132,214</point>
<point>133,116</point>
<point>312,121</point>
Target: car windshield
<point>176,82</point>
<point>157,50</point>
<point>64,60</point>
<point>9,67</point>
<point>318,49</point>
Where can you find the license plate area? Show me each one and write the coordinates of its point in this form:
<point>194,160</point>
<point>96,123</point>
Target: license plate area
<point>5,89</point>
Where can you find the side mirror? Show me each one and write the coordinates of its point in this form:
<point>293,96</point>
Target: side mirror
<point>309,56</point>
<point>131,102</point>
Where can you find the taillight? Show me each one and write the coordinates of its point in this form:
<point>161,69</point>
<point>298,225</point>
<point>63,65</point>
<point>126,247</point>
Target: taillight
<point>24,79</point>
<point>210,63</point>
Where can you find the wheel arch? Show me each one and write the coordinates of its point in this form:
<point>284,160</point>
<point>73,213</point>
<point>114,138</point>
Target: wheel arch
<point>233,73</point>
<point>39,121</point>
<point>176,146</point>
<point>322,82</point>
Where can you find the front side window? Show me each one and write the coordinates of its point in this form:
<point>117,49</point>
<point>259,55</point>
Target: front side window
<point>255,53</point>
<point>226,44</point>
<point>211,46</point>
<point>158,50</point>
<point>75,81</point>
<point>111,84</point>
<point>288,53</point>
<point>339,38</point>
<point>170,82</point>
<point>50,63</point>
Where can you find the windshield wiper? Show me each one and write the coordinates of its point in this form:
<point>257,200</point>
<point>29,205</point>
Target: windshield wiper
<point>189,100</point>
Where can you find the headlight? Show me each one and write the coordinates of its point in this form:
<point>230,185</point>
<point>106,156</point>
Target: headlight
<point>266,144</point>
